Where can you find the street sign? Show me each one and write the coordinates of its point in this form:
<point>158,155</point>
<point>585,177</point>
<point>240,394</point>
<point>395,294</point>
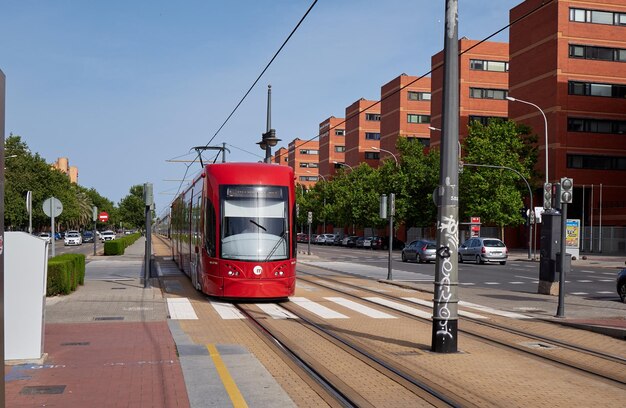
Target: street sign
<point>52,207</point>
<point>309,217</point>
<point>103,216</point>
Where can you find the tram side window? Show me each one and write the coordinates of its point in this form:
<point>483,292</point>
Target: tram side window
<point>210,228</point>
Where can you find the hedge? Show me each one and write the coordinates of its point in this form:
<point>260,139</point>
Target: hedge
<point>65,273</point>
<point>118,246</point>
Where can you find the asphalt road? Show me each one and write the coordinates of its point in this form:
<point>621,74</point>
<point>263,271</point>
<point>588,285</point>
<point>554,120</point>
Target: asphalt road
<point>517,275</point>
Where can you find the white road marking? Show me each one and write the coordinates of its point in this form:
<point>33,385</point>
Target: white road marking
<point>227,311</point>
<point>399,306</point>
<point>275,311</point>
<point>605,292</point>
<point>525,277</point>
<point>181,309</point>
<point>317,309</point>
<point>493,311</point>
<point>492,283</point>
<point>606,280</point>
<point>357,307</point>
<point>584,281</point>
<point>467,284</point>
<point>517,283</point>
<point>430,304</point>
<point>579,293</point>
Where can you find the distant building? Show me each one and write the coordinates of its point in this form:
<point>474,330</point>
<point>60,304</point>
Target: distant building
<point>483,85</point>
<point>569,58</point>
<point>404,111</point>
<point>362,133</point>
<point>63,165</point>
<point>332,145</point>
<point>304,160</point>
<point>281,157</point>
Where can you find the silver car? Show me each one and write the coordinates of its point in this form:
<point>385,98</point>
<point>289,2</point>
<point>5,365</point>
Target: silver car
<point>481,250</point>
<point>420,251</point>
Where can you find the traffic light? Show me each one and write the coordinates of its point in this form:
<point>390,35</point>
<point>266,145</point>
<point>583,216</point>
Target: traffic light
<point>547,196</point>
<point>567,190</point>
<point>556,196</point>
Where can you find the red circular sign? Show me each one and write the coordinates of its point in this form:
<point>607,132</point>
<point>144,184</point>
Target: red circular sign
<point>103,216</point>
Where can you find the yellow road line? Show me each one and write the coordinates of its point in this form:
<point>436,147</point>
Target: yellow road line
<point>229,384</point>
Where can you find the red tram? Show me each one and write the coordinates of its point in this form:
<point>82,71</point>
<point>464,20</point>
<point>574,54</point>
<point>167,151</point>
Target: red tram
<point>233,231</point>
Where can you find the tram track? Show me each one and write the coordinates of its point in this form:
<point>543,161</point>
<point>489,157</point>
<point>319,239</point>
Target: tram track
<point>565,354</point>
<point>337,390</point>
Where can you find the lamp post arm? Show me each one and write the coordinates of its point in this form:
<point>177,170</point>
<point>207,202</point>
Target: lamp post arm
<point>530,191</point>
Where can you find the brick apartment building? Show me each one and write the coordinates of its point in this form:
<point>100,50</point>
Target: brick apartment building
<point>332,145</point>
<point>569,58</point>
<point>281,156</point>
<point>304,160</point>
<point>405,111</point>
<point>362,133</point>
<point>483,82</point>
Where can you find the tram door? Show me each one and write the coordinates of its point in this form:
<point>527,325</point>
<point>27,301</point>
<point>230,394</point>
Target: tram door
<point>196,240</point>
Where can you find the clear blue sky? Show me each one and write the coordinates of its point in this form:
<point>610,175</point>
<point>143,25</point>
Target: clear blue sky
<point>120,87</point>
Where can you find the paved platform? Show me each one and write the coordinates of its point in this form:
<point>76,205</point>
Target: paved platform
<point>114,343</point>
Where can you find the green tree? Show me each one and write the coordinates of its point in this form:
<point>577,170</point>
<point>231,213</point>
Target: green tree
<point>132,208</point>
<point>495,195</point>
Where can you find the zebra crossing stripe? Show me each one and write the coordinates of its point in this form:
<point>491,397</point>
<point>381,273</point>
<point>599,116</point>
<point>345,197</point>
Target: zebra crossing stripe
<point>357,307</point>
<point>486,309</point>
<point>399,306</point>
<point>181,309</point>
<point>430,304</point>
<point>275,311</point>
<point>317,309</point>
<point>227,311</point>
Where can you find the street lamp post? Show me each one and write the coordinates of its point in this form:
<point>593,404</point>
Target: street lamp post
<point>343,164</point>
<point>269,138</point>
<point>323,178</point>
<point>387,151</point>
<point>545,122</point>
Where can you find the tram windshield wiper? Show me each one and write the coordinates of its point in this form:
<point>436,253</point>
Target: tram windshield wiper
<point>280,239</point>
<point>258,225</point>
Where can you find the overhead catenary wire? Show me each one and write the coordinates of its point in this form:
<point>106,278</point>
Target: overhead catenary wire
<point>263,72</point>
<point>539,7</point>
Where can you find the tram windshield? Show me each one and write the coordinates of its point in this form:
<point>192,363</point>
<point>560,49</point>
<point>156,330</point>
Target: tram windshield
<point>254,223</point>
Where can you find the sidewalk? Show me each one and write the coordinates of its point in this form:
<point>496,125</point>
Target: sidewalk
<point>108,345</point>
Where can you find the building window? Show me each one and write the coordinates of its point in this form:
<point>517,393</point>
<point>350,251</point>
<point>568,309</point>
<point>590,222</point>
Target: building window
<point>597,53</point>
<point>418,96</point>
<point>413,118</point>
<point>309,151</point>
<point>616,127</point>
<point>485,65</point>
<point>308,178</point>
<point>425,141</point>
<point>372,116</point>
<point>483,93</point>
<point>340,132</point>
<point>372,136</point>
<point>593,89</point>
<point>340,149</point>
<point>309,165</point>
<point>484,120</point>
<point>372,155</point>
<point>581,161</point>
<point>597,17</point>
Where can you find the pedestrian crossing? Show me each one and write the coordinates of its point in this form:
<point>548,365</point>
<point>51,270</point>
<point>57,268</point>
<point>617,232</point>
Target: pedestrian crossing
<point>333,308</point>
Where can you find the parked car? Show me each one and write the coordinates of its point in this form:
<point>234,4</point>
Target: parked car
<point>320,239</point>
<point>73,238</point>
<point>364,242</point>
<point>359,242</point>
<point>349,241</point>
<point>621,285</point>
<point>481,250</point>
<point>338,239</point>
<point>420,251</point>
<point>302,237</point>
<point>45,235</point>
<point>377,242</point>
<point>87,236</point>
<point>107,235</point>
<point>329,239</point>
<point>397,243</point>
